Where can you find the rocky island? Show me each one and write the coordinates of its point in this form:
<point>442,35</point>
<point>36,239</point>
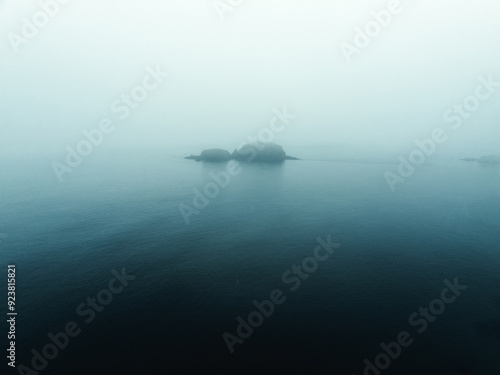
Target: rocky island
<point>488,159</point>
<point>265,152</point>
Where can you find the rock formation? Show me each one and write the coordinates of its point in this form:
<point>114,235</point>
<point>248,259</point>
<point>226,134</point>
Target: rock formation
<point>488,159</point>
<point>264,152</point>
<point>213,154</point>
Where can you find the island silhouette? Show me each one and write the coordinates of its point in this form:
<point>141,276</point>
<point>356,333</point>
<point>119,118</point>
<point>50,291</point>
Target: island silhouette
<point>265,152</point>
<point>487,159</point>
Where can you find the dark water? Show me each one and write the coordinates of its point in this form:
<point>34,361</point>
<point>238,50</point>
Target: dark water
<point>193,280</point>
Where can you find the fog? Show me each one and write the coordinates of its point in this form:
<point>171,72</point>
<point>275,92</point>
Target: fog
<point>226,76</point>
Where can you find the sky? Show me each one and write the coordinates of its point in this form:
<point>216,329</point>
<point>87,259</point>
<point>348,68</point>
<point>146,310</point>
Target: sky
<point>228,70</point>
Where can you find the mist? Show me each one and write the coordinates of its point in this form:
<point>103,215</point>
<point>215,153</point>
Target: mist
<point>227,75</point>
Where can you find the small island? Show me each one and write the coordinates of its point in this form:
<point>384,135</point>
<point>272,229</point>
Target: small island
<point>265,152</point>
<point>488,160</point>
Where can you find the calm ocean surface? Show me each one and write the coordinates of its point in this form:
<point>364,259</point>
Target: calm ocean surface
<point>192,281</point>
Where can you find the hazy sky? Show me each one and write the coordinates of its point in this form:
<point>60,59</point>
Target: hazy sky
<point>227,76</point>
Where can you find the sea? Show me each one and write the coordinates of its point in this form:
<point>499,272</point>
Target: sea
<point>309,266</point>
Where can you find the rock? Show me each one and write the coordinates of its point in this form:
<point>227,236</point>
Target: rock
<point>213,154</point>
<point>260,152</point>
<point>488,159</point>
<point>265,152</point>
